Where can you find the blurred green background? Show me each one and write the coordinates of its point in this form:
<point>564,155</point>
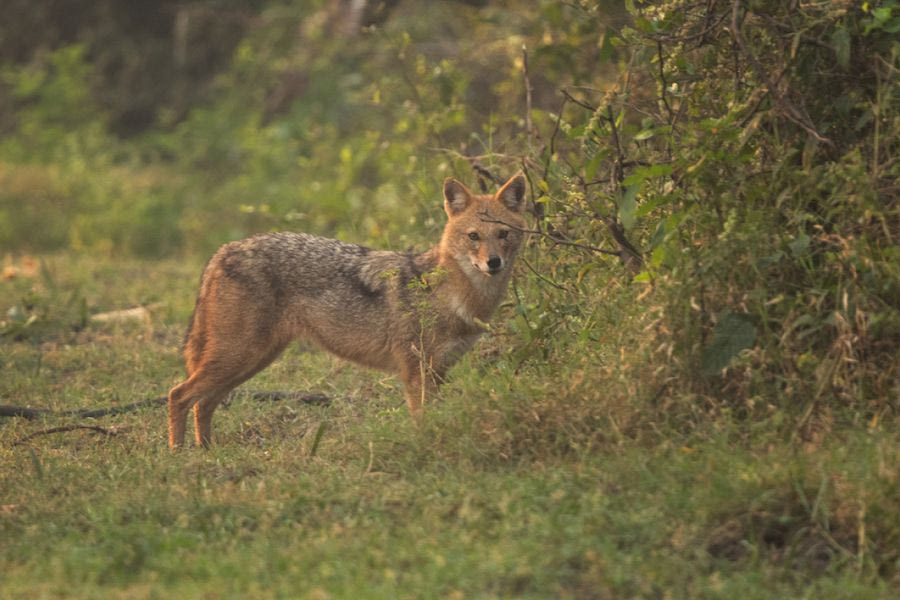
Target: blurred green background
<point>158,128</point>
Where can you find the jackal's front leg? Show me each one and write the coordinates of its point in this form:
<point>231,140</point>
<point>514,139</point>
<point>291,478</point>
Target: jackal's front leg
<point>418,379</point>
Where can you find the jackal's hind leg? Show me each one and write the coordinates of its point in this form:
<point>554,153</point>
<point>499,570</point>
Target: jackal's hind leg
<point>210,384</point>
<point>182,397</point>
<point>230,373</point>
<point>203,412</point>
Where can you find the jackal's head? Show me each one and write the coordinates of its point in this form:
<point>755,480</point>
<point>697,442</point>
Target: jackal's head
<point>483,232</point>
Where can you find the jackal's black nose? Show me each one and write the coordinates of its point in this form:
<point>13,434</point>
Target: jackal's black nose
<point>494,263</point>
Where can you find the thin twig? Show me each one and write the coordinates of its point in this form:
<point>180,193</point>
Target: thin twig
<point>528,90</point>
<point>483,173</point>
<point>791,112</point>
<point>536,208</point>
<point>756,106</point>
<point>629,255</point>
<point>552,150</point>
<point>580,103</point>
<point>478,157</point>
<point>544,278</point>
<point>552,237</point>
<point>709,28</point>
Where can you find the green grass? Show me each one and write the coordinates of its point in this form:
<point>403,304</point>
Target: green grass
<point>528,478</point>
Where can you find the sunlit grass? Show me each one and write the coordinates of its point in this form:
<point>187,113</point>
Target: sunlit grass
<point>516,485</point>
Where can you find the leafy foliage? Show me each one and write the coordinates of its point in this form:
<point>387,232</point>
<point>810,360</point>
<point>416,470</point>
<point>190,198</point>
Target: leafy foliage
<point>765,209</point>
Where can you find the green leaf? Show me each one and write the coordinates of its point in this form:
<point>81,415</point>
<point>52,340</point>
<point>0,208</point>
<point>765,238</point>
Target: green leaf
<point>659,255</point>
<point>840,41</point>
<point>590,170</point>
<point>659,235</point>
<point>575,133</point>
<point>648,205</point>
<point>317,438</point>
<point>606,47</point>
<point>882,14</point>
<point>628,207</point>
<point>733,333</point>
<point>644,25</point>
<point>800,245</point>
<point>643,173</point>
<point>642,277</point>
<point>36,463</point>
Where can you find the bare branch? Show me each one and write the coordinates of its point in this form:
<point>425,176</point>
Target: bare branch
<point>580,103</point>
<point>663,83</point>
<point>552,149</point>
<point>555,237</point>
<point>543,278</point>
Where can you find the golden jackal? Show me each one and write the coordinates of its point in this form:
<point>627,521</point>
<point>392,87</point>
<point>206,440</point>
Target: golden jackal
<point>411,314</point>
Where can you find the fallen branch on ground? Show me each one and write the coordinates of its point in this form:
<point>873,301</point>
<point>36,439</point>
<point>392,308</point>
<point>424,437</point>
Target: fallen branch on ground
<point>94,428</point>
<point>93,413</point>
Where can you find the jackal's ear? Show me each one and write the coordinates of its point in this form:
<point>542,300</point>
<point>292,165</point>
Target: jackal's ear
<point>512,194</point>
<point>456,197</point>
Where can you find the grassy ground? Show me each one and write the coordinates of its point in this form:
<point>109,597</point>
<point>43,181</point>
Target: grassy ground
<point>523,480</point>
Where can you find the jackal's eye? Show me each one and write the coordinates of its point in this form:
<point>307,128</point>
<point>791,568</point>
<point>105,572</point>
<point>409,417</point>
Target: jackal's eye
<point>473,235</point>
<point>503,233</point>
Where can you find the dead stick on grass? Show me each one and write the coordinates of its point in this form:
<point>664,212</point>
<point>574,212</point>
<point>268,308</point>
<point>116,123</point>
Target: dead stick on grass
<point>93,413</point>
<point>64,428</point>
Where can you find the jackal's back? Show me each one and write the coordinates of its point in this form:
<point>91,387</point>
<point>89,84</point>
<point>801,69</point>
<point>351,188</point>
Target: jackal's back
<point>344,296</point>
<point>287,266</point>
